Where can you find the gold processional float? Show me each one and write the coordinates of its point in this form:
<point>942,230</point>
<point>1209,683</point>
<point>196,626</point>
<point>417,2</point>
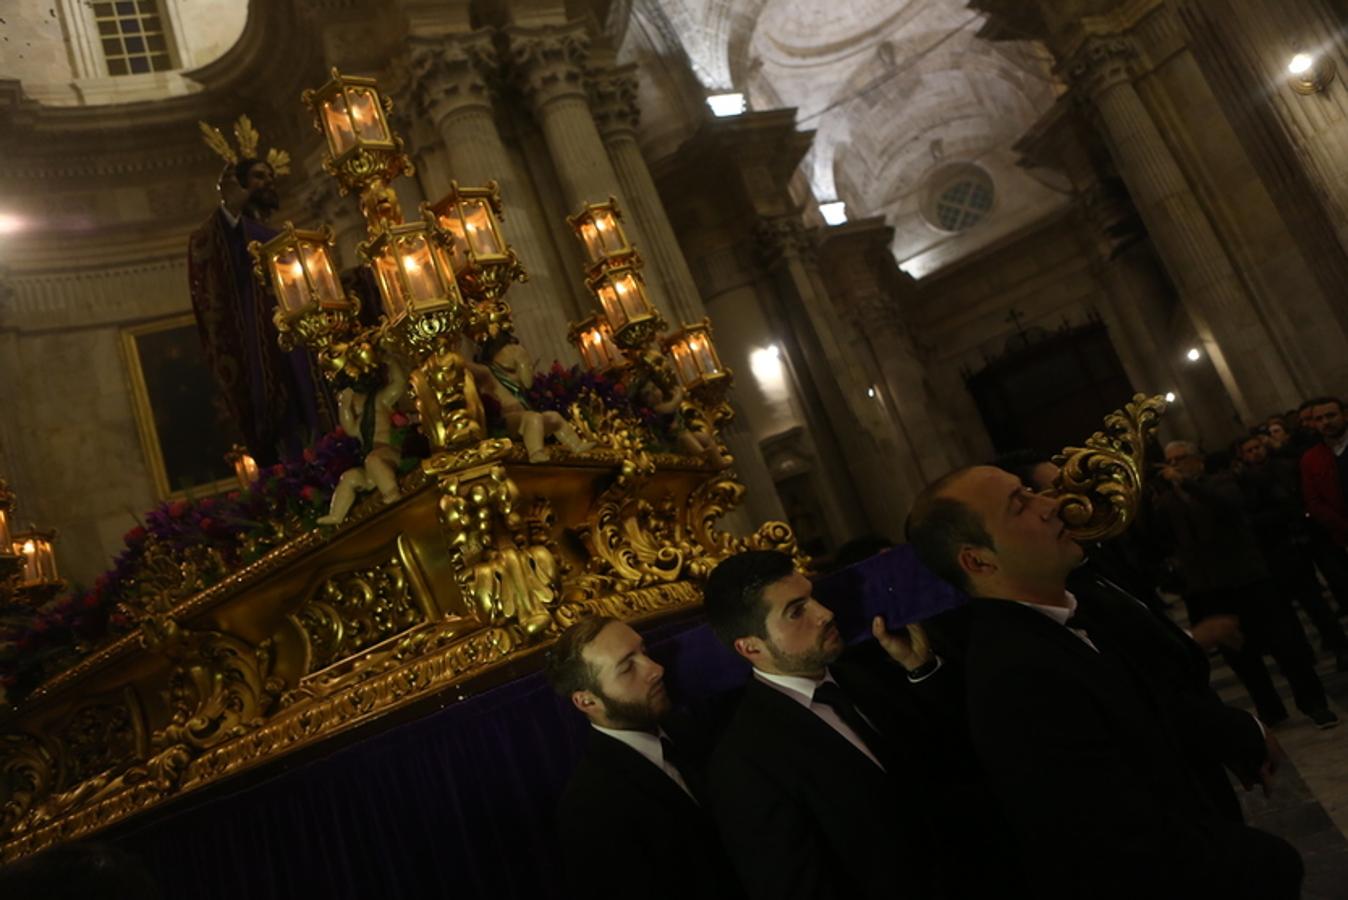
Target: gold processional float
<point>485,552</point>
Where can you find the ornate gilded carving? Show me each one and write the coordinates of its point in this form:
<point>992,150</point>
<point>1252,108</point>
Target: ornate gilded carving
<point>355,610</point>
<point>220,687</point>
<point>506,578</point>
<point>1101,483</point>
<point>27,775</point>
<point>447,400</point>
<point>99,736</point>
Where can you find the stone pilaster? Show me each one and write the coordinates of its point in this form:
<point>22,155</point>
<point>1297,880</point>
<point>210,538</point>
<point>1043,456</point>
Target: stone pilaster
<point>452,78</point>
<point>1228,325</point>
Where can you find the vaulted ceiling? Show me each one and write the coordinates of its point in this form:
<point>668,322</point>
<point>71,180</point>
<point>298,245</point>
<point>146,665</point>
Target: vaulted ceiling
<point>901,94</point>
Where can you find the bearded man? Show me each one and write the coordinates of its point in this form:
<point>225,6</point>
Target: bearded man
<point>273,396</point>
<point>633,820</point>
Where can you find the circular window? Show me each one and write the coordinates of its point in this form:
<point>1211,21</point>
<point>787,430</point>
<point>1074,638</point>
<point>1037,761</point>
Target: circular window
<point>959,197</point>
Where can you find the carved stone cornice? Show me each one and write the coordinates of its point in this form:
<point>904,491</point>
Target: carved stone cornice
<point>782,240</point>
<point>449,73</point>
<point>613,100</point>
<point>1099,63</point>
<point>549,62</point>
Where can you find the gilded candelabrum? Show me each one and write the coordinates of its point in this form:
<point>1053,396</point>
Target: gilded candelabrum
<point>1100,484</point>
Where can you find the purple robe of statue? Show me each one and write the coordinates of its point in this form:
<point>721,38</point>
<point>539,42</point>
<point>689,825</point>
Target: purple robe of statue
<point>276,399</point>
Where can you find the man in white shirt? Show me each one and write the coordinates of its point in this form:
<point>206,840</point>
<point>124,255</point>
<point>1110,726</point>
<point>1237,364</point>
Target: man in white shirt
<point>1075,716</point>
<point>632,819</point>
<point>841,777</point>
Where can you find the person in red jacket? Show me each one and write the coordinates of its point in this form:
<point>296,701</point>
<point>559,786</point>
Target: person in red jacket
<point>1324,470</point>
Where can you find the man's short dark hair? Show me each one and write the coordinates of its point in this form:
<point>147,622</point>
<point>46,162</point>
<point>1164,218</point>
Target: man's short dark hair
<point>938,527</point>
<point>733,594</point>
<point>565,667</point>
<point>1321,401</point>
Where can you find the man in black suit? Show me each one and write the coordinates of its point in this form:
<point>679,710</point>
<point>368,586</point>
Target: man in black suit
<point>1071,716</point>
<point>842,778</point>
<point>631,818</point>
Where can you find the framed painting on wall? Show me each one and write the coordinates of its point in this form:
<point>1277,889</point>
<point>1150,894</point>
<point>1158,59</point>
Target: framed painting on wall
<point>183,427</point>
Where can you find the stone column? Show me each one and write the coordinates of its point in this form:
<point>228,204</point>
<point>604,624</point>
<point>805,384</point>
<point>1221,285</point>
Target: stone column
<point>451,80</point>
<point>867,287</point>
<point>549,66</point>
<point>613,97</point>
<point>1228,325</point>
<point>866,495</point>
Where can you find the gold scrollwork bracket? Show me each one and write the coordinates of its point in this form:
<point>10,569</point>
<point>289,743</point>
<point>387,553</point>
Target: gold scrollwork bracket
<point>221,686</point>
<point>28,774</point>
<point>506,575</point>
<point>1100,484</point>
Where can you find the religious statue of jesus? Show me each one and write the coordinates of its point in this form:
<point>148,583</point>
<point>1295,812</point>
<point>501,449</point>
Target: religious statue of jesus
<point>276,399</point>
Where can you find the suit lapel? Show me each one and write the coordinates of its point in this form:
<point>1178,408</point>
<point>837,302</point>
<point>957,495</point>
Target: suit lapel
<point>640,772</point>
<point>803,726</point>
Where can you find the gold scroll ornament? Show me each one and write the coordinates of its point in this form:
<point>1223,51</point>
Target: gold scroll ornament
<point>1100,484</point>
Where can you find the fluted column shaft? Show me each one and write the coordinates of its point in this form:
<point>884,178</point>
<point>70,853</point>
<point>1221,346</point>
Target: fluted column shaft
<point>1228,325</point>
<point>613,99</point>
<point>452,86</point>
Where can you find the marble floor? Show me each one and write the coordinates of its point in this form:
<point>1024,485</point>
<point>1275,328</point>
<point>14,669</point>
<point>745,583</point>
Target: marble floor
<point>1309,805</point>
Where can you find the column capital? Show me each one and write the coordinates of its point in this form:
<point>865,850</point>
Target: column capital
<point>783,239</point>
<point>449,73</point>
<point>549,61</point>
<point>613,99</point>
<point>1101,62</point>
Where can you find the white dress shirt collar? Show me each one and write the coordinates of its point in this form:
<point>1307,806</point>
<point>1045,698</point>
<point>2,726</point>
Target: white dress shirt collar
<point>1339,445</point>
<point>802,691</point>
<point>230,218</point>
<point>1061,614</point>
<point>648,745</point>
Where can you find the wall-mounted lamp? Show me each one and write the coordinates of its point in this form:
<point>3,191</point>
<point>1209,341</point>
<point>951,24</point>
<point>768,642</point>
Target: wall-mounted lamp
<point>1193,354</point>
<point>1310,73</point>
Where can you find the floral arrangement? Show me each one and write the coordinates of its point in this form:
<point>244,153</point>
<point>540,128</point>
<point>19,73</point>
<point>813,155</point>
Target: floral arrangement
<point>235,527</point>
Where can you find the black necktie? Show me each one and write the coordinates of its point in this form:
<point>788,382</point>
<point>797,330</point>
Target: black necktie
<point>829,694</point>
<point>675,757</point>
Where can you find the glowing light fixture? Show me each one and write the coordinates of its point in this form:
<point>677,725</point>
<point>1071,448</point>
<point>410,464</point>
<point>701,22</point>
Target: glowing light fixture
<point>1310,73</point>
<point>834,212</point>
<point>1169,396</point>
<point>1193,354</point>
<point>723,105</point>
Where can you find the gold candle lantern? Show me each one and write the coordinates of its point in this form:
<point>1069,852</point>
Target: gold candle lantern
<point>310,303</point>
<point>483,262</point>
<point>416,281</point>
<point>599,227</point>
<point>11,561</point>
<point>594,339</point>
<point>39,581</point>
<point>7,499</point>
<point>627,309</point>
<point>696,361</point>
<point>245,467</point>
<point>353,117</point>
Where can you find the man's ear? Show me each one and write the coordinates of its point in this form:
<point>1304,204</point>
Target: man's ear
<point>585,701</point>
<point>749,647</point>
<point>976,562</point>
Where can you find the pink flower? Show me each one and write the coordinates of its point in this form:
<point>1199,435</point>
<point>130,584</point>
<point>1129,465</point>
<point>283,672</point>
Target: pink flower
<point>310,454</point>
<point>399,419</point>
<point>134,535</point>
<point>307,493</point>
<point>178,508</point>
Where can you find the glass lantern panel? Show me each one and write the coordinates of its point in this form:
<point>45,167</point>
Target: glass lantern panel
<point>444,260</point>
<point>365,116</point>
<point>337,125</point>
<point>288,278</point>
<point>481,229</point>
<point>594,249</point>
<point>390,287</point>
<point>46,561</point>
<point>700,347</point>
<point>415,255</point>
<point>28,549</point>
<point>5,538</point>
<point>683,364</point>
<point>633,298</point>
<point>610,237</point>
<point>458,248</point>
<point>591,349</point>
<point>318,263</point>
<point>613,309</point>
